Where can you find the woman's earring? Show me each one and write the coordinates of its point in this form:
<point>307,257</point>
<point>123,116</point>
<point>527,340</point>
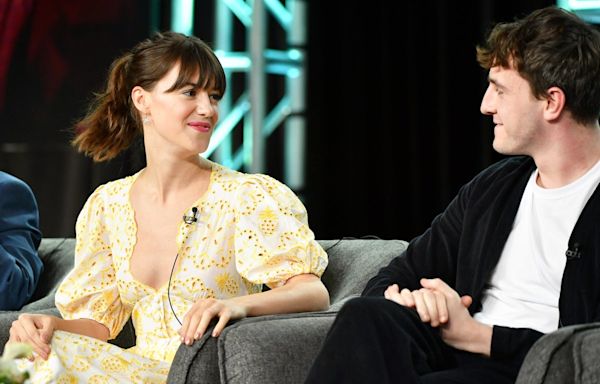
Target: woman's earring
<point>146,119</point>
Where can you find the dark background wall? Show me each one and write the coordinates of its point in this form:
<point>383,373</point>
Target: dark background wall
<point>394,127</point>
<point>394,96</point>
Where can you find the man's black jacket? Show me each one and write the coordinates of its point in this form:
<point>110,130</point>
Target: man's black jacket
<point>464,243</point>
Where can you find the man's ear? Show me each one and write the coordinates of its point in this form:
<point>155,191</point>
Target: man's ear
<point>141,99</point>
<point>555,103</point>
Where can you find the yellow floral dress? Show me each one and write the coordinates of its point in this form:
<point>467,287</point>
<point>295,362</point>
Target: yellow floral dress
<point>251,230</point>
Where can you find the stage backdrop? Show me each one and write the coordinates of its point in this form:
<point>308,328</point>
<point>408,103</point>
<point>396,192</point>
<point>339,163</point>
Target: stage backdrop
<point>394,89</point>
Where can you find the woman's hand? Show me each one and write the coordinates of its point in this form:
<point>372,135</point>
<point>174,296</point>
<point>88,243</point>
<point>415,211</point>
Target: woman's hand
<point>35,330</point>
<point>197,319</point>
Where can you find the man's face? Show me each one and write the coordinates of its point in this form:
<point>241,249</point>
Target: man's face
<point>516,112</point>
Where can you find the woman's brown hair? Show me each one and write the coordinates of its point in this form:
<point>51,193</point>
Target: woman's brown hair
<point>113,122</point>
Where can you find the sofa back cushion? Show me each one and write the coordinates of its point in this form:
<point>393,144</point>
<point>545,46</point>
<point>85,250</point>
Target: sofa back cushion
<point>57,256</point>
<point>352,262</point>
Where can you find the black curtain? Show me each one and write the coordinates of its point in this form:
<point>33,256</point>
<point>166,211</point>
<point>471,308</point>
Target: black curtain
<point>394,121</point>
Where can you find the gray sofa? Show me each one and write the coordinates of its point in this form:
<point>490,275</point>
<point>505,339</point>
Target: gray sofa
<point>281,348</point>
<point>265,349</point>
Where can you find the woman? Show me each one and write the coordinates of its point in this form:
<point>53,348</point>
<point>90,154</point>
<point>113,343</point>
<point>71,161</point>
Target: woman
<point>136,256</point>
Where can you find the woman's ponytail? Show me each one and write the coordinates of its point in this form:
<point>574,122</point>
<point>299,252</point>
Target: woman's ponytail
<point>112,122</point>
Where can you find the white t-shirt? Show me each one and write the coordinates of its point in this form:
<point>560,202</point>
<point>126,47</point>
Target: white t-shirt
<point>525,286</point>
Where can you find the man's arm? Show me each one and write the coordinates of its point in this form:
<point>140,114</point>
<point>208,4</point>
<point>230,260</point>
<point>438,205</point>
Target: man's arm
<point>20,265</point>
<point>433,254</point>
<point>441,306</point>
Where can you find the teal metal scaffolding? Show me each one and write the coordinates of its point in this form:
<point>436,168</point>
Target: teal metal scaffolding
<point>249,111</point>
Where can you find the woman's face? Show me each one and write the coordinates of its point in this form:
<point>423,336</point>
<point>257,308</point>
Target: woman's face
<point>183,118</point>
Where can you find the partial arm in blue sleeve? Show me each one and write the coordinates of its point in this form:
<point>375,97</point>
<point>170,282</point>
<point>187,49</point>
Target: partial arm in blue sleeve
<point>20,265</point>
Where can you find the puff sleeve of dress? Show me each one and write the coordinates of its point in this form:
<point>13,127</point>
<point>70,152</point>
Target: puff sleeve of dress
<point>90,290</point>
<point>272,239</point>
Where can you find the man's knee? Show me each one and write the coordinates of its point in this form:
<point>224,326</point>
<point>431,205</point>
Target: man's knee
<point>373,308</point>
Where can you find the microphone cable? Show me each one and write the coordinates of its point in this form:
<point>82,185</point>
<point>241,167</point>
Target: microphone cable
<point>188,220</point>
<point>169,289</point>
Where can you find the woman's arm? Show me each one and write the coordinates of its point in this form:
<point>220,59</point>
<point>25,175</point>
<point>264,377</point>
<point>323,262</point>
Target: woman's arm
<point>37,330</point>
<point>87,327</point>
<point>301,293</point>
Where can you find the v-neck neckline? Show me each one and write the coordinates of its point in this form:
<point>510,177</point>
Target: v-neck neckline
<point>133,240</point>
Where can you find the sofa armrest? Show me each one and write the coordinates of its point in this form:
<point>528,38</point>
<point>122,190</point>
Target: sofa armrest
<point>266,349</point>
<point>197,362</point>
<point>568,355</point>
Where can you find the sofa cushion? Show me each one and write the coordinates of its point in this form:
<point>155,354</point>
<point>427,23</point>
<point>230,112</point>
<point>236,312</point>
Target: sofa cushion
<point>352,262</point>
<point>58,256</point>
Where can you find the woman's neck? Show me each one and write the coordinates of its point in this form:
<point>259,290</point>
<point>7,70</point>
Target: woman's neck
<point>167,178</point>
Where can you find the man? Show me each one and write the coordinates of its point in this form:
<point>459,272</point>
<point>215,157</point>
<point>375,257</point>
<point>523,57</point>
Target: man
<point>517,253</point>
<point>20,265</point>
